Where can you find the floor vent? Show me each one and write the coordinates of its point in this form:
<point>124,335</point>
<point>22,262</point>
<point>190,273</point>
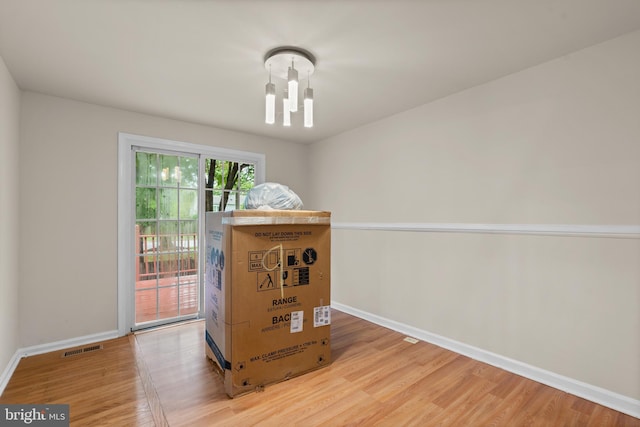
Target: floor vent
<point>82,350</point>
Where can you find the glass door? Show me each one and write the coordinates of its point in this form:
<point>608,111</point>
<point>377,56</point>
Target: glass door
<point>164,189</point>
<point>166,238</point>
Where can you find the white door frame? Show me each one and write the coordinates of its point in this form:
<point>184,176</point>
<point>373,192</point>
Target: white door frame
<point>126,208</point>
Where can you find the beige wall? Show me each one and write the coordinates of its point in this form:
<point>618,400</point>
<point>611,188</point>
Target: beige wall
<point>558,143</point>
<point>9,137</point>
<point>68,207</point>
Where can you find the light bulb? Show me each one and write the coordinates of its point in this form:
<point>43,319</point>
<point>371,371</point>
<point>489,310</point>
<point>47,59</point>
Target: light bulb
<point>293,89</point>
<point>308,107</point>
<point>270,104</point>
<point>286,113</point>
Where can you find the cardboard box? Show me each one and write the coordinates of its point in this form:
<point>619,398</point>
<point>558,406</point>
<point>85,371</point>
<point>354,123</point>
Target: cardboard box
<point>266,320</point>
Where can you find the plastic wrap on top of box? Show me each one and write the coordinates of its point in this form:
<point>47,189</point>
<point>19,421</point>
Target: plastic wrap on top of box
<point>271,195</point>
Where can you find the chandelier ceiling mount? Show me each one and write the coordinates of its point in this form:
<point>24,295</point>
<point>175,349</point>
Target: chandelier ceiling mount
<point>286,63</point>
<point>279,61</point>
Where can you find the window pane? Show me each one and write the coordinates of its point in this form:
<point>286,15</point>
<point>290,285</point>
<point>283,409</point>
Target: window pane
<point>168,231</point>
<point>243,197</point>
<point>188,266</point>
<point>188,204</point>
<point>146,305</point>
<point>146,271</point>
<point>189,172</point>
<point>168,203</point>
<point>188,236</point>
<point>217,196</point>
<point>229,200</point>
<point>246,177</point>
<point>188,298</point>
<point>189,227</point>
<point>209,173</point>
<point>146,227</point>
<point>167,267</point>
<point>146,164</point>
<point>145,203</point>
<point>169,171</point>
<point>208,199</point>
<point>222,170</point>
<point>168,306</point>
<point>145,237</point>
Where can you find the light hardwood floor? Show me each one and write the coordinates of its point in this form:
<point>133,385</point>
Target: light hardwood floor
<point>162,378</point>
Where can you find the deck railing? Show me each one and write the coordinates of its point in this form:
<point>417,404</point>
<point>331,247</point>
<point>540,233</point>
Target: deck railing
<point>165,255</point>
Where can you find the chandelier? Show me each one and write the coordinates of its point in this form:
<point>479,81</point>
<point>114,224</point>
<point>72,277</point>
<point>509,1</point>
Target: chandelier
<point>285,63</point>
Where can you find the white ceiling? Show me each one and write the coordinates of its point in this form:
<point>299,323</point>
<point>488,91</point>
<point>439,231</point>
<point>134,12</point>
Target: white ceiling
<point>202,61</point>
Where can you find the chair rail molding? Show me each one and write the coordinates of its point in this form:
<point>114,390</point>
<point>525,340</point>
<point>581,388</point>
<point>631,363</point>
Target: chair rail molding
<point>578,230</point>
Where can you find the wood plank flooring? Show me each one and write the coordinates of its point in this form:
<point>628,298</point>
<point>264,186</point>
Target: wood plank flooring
<point>101,387</point>
<point>162,378</point>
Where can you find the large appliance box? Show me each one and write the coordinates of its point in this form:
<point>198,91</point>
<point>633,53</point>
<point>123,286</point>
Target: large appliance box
<point>267,295</point>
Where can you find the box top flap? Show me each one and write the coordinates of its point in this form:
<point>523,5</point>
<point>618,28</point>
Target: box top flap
<point>262,217</point>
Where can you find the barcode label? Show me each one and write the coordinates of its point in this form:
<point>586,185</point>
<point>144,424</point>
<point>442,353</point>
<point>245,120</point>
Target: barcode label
<point>296,321</point>
<point>321,316</point>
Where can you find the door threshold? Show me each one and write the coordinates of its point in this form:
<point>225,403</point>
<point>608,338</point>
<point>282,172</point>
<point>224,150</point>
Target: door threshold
<point>166,325</point>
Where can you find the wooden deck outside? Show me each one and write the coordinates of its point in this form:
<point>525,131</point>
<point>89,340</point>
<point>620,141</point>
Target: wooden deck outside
<point>165,275</point>
<point>171,298</point>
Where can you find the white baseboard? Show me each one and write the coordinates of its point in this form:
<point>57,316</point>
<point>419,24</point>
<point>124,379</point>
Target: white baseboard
<point>8,370</point>
<point>590,392</point>
<point>48,347</point>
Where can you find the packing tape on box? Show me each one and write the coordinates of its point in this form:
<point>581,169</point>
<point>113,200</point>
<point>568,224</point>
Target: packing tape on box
<point>279,264</point>
<point>276,220</point>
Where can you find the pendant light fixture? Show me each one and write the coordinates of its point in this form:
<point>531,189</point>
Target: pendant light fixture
<point>285,63</point>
